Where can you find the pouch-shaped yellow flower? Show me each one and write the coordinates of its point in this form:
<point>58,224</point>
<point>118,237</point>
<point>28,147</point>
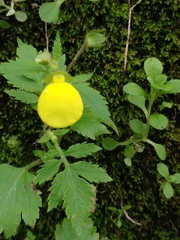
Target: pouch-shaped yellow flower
<point>60,104</point>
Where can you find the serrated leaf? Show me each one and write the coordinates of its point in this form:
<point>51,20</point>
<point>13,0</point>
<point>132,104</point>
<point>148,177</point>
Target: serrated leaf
<point>22,96</point>
<point>93,100</point>
<point>21,67</point>
<point>61,64</point>
<point>134,89</point>
<point>25,51</point>
<point>177,178</point>
<point>91,172</point>
<point>77,195</point>
<point>160,150</point>
<point>129,151</point>
<point>61,132</point>
<point>138,127</point>
<point>57,48</point>
<point>158,121</point>
<point>20,16</point>
<point>83,77</point>
<point>49,12</point>
<point>52,153</point>
<point>47,171</point>
<point>23,83</point>
<point>138,101</point>
<point>81,150</point>
<point>153,67</point>
<point>65,231</point>
<point>168,190</point>
<point>90,125</point>
<point>45,138</point>
<point>163,170</point>
<point>18,198</point>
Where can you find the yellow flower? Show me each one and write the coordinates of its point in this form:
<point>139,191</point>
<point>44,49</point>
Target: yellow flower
<point>60,104</point>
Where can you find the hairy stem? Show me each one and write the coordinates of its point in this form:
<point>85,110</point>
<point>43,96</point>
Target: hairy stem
<point>33,164</point>
<point>54,139</point>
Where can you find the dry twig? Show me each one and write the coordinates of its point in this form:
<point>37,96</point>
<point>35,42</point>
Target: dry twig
<point>128,34</point>
<point>128,217</point>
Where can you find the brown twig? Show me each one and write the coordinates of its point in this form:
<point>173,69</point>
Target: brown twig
<point>128,34</point>
<point>128,217</point>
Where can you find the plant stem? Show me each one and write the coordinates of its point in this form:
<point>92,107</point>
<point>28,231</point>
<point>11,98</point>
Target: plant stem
<point>54,139</point>
<point>81,50</point>
<point>150,103</point>
<point>33,164</point>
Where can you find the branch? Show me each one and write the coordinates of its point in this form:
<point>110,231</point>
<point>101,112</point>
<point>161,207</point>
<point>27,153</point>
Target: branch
<point>128,217</point>
<point>128,34</point>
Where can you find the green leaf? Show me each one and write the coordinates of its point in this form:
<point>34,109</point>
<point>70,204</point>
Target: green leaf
<point>61,132</point>
<point>158,121</point>
<point>4,24</point>
<point>177,178</point>
<point>47,171</point>
<point>119,223</point>
<point>134,89</point>
<point>20,16</point>
<point>138,101</point>
<point>129,151</point>
<point>45,138</point>
<point>81,150</point>
<point>138,127</point>
<point>21,67</point>
<point>128,162</point>
<point>95,39</point>
<point>171,178</point>
<point>2,3</point>
<point>49,12</point>
<point>90,125</point>
<point>160,150</point>
<point>126,207</point>
<point>110,144</point>
<point>57,48</point>
<point>153,68</point>
<point>30,236</point>
<point>93,100</point>
<point>168,190</point>
<point>163,170</point>
<point>83,77</point>
<point>11,10</point>
<point>18,198</point>
<point>65,231</point>
<point>61,63</point>
<point>160,79</point>
<point>23,83</point>
<point>165,105</point>
<point>173,86</point>
<point>77,195</point>
<point>22,96</point>
<point>91,172</point>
